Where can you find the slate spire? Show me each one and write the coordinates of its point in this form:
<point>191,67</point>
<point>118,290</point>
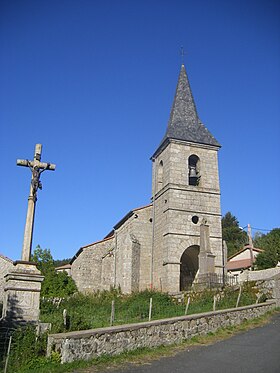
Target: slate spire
<point>184,123</point>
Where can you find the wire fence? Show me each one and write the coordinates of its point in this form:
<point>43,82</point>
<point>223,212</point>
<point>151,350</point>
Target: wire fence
<point>90,312</point>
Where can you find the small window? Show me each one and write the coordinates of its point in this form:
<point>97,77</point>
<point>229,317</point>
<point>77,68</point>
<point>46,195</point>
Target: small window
<point>193,165</point>
<point>160,175</point>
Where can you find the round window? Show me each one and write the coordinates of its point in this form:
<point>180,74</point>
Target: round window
<point>195,219</point>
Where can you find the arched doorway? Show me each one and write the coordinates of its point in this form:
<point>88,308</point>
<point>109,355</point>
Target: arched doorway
<point>188,267</point>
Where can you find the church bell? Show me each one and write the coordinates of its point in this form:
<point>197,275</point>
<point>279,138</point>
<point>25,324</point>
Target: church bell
<point>193,176</point>
<point>193,172</point>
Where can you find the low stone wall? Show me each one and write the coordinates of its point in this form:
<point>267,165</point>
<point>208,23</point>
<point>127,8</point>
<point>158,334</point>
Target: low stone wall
<point>267,281</point>
<point>261,275</point>
<point>88,344</point>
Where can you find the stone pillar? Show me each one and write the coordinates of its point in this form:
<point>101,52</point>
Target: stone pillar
<point>206,257</point>
<point>22,293</point>
<point>276,290</point>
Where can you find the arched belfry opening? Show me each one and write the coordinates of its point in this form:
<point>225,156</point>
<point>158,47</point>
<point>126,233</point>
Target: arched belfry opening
<point>193,164</point>
<point>188,267</point>
<point>160,176</point>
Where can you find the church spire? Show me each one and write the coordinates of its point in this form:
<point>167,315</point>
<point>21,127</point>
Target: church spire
<point>184,123</point>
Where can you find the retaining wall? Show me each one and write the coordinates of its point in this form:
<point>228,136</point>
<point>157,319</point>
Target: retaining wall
<point>88,344</point>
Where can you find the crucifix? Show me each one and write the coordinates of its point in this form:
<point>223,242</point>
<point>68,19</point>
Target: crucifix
<point>36,167</point>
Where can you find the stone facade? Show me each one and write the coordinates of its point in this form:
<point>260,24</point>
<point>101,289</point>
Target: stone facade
<point>120,260</point>
<point>6,265</point>
<point>177,203</point>
<point>177,240</point>
<point>90,344</point>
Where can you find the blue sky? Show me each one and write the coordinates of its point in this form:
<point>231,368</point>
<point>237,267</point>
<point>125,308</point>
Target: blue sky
<point>93,81</point>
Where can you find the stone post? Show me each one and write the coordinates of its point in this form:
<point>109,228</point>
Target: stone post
<point>206,258</point>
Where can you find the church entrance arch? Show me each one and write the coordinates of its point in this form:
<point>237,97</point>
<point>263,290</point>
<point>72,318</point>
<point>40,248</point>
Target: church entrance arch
<point>188,267</point>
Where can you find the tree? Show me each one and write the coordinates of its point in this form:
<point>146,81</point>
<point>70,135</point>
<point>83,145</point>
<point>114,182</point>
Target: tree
<point>234,236</point>
<point>55,284</point>
<point>61,262</point>
<point>270,243</point>
<point>43,258</point>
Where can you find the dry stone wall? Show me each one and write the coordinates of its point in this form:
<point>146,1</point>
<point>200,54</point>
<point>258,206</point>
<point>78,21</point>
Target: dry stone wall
<point>89,344</point>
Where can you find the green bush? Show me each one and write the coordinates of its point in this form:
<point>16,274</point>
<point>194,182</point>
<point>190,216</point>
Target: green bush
<point>27,349</point>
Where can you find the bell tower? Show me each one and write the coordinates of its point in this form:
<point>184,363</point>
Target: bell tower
<point>187,237</point>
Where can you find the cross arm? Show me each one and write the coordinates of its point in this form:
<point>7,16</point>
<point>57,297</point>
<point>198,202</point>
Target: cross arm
<point>41,165</point>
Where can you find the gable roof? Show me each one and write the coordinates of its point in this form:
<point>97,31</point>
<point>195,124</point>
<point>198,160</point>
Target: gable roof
<point>184,123</point>
<point>246,247</point>
<point>111,234</point>
<point>239,264</point>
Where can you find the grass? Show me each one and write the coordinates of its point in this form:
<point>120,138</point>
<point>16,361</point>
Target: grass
<point>143,355</point>
<point>94,311</point>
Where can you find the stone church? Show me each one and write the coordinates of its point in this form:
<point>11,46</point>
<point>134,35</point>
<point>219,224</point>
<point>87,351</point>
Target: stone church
<point>176,240</point>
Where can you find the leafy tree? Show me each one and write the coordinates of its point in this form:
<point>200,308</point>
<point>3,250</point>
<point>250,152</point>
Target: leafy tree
<point>61,262</point>
<point>234,236</point>
<point>55,284</point>
<point>270,243</point>
<point>44,259</point>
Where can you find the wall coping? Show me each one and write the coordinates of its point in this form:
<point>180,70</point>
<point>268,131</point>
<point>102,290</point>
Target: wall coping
<point>118,328</point>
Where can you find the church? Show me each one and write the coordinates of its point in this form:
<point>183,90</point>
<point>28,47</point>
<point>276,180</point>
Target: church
<point>176,240</point>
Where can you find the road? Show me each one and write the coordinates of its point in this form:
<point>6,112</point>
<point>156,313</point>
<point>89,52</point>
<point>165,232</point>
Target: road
<point>255,351</point>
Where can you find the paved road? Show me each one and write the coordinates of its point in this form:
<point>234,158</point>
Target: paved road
<point>256,351</point>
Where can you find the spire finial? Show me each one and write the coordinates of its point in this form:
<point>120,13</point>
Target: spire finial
<point>183,53</point>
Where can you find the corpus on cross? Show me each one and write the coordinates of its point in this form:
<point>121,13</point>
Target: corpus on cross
<point>36,167</point>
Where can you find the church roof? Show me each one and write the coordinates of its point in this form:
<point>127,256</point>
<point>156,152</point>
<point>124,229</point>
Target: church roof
<point>184,123</point>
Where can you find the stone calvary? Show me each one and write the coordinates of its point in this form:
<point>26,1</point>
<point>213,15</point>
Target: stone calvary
<point>23,282</point>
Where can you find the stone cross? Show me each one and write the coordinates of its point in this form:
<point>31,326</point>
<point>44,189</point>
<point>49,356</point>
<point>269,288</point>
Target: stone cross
<point>36,167</point>
<point>183,53</point>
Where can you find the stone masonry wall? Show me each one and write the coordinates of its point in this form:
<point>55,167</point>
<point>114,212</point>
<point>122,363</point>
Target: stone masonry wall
<point>128,252</point>
<point>134,239</point>
<point>89,344</point>
<point>259,275</point>
<point>176,202</point>
<point>86,269</point>
<point>6,265</point>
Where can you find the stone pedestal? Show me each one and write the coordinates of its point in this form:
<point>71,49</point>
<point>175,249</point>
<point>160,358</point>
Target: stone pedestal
<point>22,293</point>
